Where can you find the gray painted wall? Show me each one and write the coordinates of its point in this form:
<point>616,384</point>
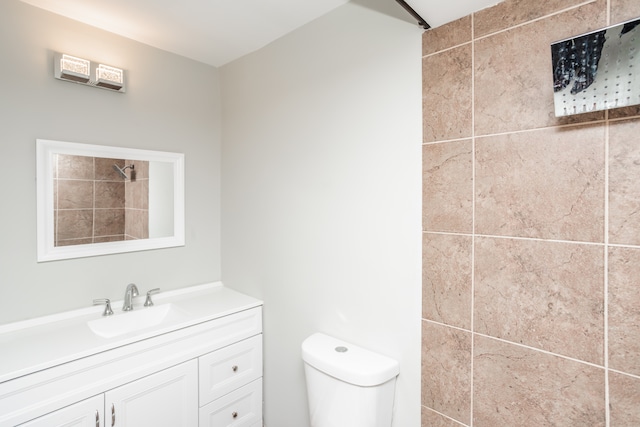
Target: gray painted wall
<point>321,198</point>
<point>171,104</point>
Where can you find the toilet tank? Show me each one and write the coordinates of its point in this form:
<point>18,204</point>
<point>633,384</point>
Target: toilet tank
<point>348,386</point>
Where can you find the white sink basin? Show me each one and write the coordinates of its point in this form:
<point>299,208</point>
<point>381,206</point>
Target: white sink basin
<point>135,320</point>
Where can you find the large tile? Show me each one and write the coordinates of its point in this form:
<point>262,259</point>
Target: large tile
<point>446,370</point>
<point>624,310</point>
<point>513,74</point>
<point>447,187</point>
<point>446,279</point>
<point>74,167</point>
<point>509,13</point>
<point>624,398</point>
<point>109,194</point>
<point>546,295</point>
<point>446,94</point>
<point>434,419</point>
<point>447,36</point>
<point>545,184</point>
<point>140,170</point>
<point>516,386</point>
<point>137,194</point>
<point>74,194</point>
<point>74,224</point>
<point>624,182</point>
<point>109,222</point>
<point>624,10</point>
<point>105,170</point>
<point>136,224</point>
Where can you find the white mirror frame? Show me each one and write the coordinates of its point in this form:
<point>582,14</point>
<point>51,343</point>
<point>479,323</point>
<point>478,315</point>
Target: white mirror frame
<point>45,151</point>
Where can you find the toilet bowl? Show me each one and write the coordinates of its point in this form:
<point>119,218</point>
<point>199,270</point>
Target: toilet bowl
<point>348,386</point>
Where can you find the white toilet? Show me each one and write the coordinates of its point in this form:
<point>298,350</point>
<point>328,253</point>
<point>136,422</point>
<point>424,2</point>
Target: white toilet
<point>347,385</point>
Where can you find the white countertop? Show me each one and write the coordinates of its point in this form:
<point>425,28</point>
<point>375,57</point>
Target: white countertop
<point>41,343</point>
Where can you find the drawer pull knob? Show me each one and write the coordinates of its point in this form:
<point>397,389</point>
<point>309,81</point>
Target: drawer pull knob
<point>235,368</point>
<point>234,415</point>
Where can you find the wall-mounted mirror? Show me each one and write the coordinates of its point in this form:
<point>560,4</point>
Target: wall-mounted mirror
<point>97,200</point>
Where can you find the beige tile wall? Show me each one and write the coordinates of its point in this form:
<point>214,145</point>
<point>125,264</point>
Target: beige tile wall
<point>93,204</point>
<point>531,260</point>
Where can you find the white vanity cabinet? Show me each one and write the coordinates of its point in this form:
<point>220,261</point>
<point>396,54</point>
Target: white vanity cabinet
<point>204,373</point>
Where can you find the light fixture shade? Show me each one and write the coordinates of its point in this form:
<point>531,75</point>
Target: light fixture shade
<point>109,77</point>
<point>73,68</point>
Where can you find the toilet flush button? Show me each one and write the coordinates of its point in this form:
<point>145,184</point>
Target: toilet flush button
<point>341,349</point>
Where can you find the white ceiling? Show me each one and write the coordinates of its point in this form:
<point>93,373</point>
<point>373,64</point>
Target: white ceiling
<point>218,31</point>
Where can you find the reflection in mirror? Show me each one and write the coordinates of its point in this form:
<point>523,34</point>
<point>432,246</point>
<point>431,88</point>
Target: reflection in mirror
<point>597,71</point>
<point>95,200</point>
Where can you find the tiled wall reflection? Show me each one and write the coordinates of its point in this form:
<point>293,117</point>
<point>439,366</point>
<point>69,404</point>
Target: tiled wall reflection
<point>531,259</point>
<point>93,204</point>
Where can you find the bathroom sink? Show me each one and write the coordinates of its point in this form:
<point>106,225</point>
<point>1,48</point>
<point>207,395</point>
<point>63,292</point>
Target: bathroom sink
<point>141,318</point>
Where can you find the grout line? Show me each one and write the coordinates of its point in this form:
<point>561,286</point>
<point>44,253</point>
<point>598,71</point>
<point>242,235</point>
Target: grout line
<point>450,47</point>
<point>550,353</point>
<point>552,127</point>
<point>606,271</point>
<point>447,140</point>
<point>536,239</point>
<point>457,328</point>
<point>533,239</point>
<point>528,347</point>
<point>448,233</point>
<point>522,24</point>
<point>622,245</point>
<point>443,415</point>
<point>473,214</point>
<point>624,373</point>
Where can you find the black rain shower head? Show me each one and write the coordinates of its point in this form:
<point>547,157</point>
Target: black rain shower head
<point>121,172</point>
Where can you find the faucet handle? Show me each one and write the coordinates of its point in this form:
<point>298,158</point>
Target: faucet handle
<point>107,307</point>
<point>148,302</point>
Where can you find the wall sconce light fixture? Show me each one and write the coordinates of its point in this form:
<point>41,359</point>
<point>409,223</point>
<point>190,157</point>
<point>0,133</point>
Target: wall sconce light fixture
<point>77,70</point>
<point>109,77</point>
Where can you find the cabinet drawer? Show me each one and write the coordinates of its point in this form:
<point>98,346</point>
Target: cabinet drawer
<point>240,408</point>
<point>224,370</point>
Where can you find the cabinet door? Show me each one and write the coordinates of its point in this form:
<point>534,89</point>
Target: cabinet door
<point>87,413</point>
<point>167,398</point>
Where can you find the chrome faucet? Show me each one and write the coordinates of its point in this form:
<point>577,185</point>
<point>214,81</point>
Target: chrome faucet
<point>132,291</point>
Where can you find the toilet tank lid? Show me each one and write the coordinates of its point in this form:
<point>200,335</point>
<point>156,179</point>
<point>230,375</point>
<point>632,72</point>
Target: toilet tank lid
<point>348,362</point>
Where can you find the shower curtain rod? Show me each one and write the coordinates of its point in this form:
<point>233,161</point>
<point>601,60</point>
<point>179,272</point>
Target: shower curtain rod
<point>413,13</point>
